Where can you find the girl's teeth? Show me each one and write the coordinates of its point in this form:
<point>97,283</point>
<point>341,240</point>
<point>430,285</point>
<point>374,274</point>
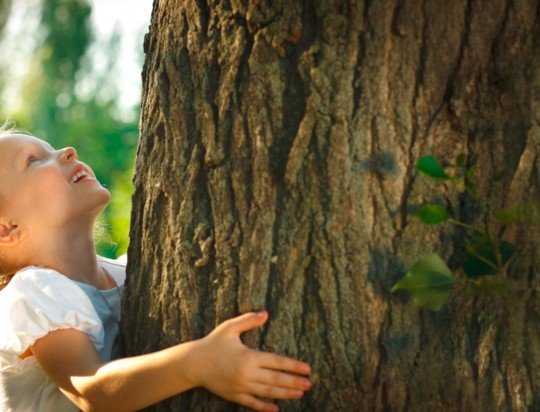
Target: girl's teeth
<point>80,176</point>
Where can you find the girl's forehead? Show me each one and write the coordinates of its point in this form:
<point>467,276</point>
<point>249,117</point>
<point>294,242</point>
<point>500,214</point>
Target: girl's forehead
<point>14,142</point>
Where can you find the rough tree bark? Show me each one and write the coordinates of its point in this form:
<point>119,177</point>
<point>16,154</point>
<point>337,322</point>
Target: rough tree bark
<point>275,169</point>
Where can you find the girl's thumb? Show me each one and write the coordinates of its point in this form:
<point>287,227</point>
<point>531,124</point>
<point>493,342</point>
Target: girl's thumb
<point>247,321</point>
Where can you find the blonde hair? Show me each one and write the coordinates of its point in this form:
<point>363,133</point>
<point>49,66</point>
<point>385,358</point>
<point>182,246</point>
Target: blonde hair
<point>8,128</point>
<point>6,273</point>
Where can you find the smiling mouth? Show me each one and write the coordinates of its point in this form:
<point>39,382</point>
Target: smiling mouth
<point>83,179</point>
<point>82,175</point>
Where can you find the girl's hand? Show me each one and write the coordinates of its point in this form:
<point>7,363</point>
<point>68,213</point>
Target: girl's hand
<point>237,373</point>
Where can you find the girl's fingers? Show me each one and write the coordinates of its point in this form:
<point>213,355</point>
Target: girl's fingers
<point>245,322</point>
<point>274,392</point>
<point>273,361</point>
<point>283,380</point>
<point>252,402</point>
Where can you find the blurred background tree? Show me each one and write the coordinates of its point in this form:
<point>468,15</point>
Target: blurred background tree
<point>60,80</point>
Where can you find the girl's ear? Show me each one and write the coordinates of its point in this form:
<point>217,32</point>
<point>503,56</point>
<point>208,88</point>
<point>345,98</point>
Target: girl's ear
<point>9,234</point>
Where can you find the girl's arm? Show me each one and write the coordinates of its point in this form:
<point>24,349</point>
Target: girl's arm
<point>219,362</point>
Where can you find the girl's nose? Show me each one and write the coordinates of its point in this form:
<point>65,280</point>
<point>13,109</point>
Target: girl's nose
<point>69,153</point>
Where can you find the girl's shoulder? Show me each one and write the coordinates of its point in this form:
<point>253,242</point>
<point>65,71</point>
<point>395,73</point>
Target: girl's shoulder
<point>121,260</point>
<point>41,286</point>
<point>35,278</point>
<point>38,300</point>
<point>116,267</point>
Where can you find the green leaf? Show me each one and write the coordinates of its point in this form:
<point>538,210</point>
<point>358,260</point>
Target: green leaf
<point>432,214</point>
<point>460,160</point>
<point>487,287</point>
<point>428,282</point>
<point>480,258</point>
<point>432,168</point>
<point>518,213</point>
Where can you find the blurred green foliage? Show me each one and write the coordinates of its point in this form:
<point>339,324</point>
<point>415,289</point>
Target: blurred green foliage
<point>55,111</point>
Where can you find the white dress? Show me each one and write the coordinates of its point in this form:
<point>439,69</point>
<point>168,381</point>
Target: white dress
<point>35,302</point>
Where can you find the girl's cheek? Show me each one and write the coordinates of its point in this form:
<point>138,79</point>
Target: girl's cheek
<point>49,184</point>
<point>51,176</point>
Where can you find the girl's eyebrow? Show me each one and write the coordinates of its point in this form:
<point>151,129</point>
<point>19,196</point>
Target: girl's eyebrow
<point>47,145</point>
<point>22,151</point>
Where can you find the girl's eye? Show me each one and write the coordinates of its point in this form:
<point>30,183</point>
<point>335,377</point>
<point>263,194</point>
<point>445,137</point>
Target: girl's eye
<point>28,161</point>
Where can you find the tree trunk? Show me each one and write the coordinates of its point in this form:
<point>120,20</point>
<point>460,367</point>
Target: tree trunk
<point>276,169</point>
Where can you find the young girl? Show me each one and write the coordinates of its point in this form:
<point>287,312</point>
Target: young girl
<point>60,309</point>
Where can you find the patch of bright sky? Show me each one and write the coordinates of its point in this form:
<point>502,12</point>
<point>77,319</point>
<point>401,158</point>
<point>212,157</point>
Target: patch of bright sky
<point>17,46</point>
<point>130,17</point>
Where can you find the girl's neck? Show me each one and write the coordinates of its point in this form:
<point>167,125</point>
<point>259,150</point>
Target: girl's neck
<point>73,255</point>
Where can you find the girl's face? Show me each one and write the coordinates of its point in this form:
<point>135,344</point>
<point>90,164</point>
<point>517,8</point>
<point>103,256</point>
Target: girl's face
<point>36,183</point>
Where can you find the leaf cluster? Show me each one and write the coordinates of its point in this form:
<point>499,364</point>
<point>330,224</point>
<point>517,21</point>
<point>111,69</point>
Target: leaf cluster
<point>430,281</point>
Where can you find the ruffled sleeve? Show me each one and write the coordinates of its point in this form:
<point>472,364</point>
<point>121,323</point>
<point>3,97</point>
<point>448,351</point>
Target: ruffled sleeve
<point>38,301</point>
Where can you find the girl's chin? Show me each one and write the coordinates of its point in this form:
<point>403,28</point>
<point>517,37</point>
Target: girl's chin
<point>94,204</point>
<point>100,192</point>
<point>105,199</point>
